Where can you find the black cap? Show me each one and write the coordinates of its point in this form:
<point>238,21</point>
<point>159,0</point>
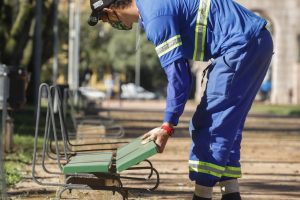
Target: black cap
<point>97,7</point>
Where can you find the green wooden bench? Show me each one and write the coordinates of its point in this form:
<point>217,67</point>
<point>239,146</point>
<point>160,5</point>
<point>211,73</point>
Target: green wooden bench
<point>89,170</point>
<point>126,157</point>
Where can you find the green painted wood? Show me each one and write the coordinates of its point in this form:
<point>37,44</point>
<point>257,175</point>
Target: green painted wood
<point>89,163</point>
<point>127,156</point>
<point>92,156</point>
<point>134,153</point>
<point>126,149</point>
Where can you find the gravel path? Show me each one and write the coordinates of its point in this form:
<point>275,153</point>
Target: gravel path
<point>270,158</point>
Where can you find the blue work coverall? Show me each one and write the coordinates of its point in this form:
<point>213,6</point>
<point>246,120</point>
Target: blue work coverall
<point>240,50</point>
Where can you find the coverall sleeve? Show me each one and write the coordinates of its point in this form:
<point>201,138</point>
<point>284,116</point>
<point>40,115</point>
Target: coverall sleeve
<point>163,32</point>
<point>179,85</point>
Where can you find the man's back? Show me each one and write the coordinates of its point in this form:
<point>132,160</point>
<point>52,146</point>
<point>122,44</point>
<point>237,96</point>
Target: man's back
<point>228,25</point>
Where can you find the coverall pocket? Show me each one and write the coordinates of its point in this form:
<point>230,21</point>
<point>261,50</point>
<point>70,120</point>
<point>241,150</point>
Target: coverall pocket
<point>200,139</point>
<point>220,77</point>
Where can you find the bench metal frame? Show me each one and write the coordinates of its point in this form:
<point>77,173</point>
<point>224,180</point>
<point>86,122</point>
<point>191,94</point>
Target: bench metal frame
<point>107,122</point>
<point>82,181</point>
<point>3,115</point>
<point>72,147</point>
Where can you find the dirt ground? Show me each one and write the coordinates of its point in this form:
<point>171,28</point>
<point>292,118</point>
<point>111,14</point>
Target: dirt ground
<point>270,158</point>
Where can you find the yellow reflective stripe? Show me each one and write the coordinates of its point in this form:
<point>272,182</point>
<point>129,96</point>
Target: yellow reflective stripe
<point>200,30</point>
<point>238,169</point>
<point>169,45</point>
<point>233,172</point>
<point>207,164</point>
<point>196,32</point>
<point>232,175</point>
<point>205,171</point>
<point>207,168</point>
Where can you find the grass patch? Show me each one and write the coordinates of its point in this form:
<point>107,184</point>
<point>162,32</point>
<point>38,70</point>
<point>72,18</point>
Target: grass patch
<point>13,173</point>
<point>16,162</point>
<point>284,110</point>
<point>23,139</point>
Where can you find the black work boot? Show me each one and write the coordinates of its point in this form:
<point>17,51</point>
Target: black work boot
<point>200,198</point>
<point>232,196</point>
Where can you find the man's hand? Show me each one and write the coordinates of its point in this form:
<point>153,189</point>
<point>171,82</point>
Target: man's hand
<point>159,136</point>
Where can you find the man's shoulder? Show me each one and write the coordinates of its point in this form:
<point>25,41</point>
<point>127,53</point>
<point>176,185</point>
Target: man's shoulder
<point>151,9</point>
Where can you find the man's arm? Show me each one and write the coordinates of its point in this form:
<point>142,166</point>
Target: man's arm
<point>179,85</point>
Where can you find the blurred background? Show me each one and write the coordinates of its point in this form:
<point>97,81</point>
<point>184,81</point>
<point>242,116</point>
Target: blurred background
<point>50,41</point>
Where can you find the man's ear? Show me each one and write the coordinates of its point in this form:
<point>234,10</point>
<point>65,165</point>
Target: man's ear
<point>108,10</point>
<point>111,14</point>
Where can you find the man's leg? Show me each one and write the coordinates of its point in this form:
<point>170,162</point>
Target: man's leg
<point>229,184</point>
<point>213,130</point>
<point>229,181</point>
<point>229,94</point>
<point>211,146</point>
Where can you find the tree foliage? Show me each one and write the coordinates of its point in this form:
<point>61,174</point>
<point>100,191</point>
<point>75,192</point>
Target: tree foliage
<point>115,51</point>
<point>101,47</point>
<point>17,24</point>
<point>17,34</point>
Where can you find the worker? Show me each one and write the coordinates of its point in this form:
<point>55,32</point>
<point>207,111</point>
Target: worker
<point>238,48</point>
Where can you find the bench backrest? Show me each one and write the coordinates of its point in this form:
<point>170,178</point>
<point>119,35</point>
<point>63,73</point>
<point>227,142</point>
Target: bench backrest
<point>134,153</point>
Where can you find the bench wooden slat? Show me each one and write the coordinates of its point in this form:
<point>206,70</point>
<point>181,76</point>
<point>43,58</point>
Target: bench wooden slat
<point>104,156</point>
<point>89,163</point>
<point>134,153</point>
<point>127,156</point>
<point>128,148</point>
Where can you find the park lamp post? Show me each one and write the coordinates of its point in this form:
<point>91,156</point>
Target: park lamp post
<point>138,56</point>
<point>3,106</point>
<point>56,42</point>
<point>74,44</point>
<point>38,48</point>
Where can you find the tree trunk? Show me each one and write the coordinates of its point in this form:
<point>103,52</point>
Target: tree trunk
<point>17,25</point>
<point>47,43</point>
<point>17,37</point>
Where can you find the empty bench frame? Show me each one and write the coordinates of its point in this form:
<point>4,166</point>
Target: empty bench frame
<point>68,96</point>
<point>92,170</point>
<point>71,147</point>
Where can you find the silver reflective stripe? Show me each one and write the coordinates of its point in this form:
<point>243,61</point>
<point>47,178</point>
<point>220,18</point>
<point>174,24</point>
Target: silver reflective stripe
<point>200,30</point>
<point>232,172</point>
<point>168,46</point>
<point>97,4</point>
<point>207,168</point>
